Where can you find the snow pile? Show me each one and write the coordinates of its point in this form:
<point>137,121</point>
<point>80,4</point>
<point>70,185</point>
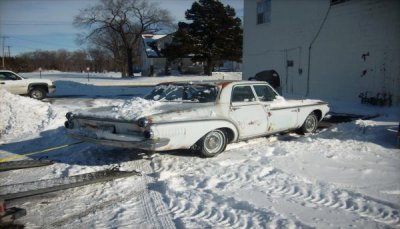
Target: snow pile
<point>127,110</point>
<point>22,116</point>
<point>136,107</point>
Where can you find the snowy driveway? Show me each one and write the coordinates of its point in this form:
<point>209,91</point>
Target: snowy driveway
<point>345,176</point>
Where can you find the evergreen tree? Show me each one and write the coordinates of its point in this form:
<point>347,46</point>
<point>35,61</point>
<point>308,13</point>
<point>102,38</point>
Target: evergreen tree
<point>214,35</point>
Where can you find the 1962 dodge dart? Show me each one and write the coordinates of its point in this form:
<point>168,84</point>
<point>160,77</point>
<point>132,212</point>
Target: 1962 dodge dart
<point>200,116</point>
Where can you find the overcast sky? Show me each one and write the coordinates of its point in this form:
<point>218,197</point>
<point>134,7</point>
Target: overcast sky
<point>29,25</point>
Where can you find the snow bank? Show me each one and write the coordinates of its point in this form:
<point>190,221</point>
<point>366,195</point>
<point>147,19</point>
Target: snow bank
<point>112,79</point>
<point>22,116</point>
<point>57,73</point>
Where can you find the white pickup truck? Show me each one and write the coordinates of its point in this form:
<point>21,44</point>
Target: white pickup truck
<point>201,116</point>
<point>16,84</point>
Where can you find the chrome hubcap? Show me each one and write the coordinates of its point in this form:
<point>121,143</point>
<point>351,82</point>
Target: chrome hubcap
<point>214,142</point>
<point>311,123</point>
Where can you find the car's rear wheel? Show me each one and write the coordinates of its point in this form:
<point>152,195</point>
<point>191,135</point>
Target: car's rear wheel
<point>212,144</point>
<point>310,124</point>
<point>37,93</point>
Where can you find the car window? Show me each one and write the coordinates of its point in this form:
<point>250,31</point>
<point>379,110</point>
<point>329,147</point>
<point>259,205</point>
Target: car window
<point>264,93</point>
<point>184,93</point>
<point>3,76</point>
<point>243,94</point>
<point>168,93</point>
<point>202,94</point>
<point>8,76</point>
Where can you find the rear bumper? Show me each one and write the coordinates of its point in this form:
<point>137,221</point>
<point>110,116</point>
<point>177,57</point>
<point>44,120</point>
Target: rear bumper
<point>145,144</point>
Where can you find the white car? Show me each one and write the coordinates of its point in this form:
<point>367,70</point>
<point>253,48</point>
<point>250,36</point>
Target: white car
<point>201,116</point>
<point>16,84</point>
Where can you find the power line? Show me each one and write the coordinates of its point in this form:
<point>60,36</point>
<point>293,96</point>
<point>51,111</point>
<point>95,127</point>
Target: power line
<point>9,52</point>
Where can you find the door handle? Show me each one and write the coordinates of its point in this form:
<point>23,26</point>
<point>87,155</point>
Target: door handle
<point>2,83</point>
<point>295,110</point>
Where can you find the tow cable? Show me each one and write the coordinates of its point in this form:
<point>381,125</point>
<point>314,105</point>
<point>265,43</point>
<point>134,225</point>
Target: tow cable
<point>10,158</point>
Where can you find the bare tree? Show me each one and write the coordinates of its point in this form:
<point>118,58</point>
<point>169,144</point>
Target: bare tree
<point>129,19</point>
<point>99,59</point>
<point>110,42</point>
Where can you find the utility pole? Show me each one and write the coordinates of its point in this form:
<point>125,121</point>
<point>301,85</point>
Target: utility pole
<point>9,52</point>
<point>4,39</point>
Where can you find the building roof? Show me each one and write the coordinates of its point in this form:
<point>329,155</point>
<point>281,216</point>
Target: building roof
<point>147,40</point>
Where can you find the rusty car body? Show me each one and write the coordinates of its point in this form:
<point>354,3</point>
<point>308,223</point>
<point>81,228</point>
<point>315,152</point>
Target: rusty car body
<point>201,116</point>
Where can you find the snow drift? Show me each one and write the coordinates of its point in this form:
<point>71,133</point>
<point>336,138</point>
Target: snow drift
<point>23,116</point>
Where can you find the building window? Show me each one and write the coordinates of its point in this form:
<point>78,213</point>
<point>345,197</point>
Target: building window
<point>334,2</point>
<point>263,11</point>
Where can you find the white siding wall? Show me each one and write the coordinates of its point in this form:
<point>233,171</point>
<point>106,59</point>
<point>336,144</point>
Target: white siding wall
<point>352,28</point>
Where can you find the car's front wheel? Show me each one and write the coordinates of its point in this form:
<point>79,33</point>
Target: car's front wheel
<point>37,93</point>
<point>310,124</point>
<point>212,144</point>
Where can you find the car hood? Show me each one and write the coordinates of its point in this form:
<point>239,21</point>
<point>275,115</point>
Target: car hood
<point>153,110</point>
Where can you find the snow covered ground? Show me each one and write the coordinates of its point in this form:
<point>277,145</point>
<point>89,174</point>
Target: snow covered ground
<point>342,177</point>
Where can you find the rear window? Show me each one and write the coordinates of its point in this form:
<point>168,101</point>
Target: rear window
<point>184,93</point>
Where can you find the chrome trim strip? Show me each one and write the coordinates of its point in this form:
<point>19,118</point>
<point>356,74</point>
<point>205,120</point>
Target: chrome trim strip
<point>291,107</point>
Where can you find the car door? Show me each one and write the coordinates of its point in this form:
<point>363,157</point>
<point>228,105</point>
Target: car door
<point>247,113</point>
<point>281,115</point>
<point>12,83</point>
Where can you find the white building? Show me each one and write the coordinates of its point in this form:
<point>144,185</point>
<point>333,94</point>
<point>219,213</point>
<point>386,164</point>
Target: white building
<point>325,48</point>
<point>152,62</point>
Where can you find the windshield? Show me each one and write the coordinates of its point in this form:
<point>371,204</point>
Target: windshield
<point>184,93</point>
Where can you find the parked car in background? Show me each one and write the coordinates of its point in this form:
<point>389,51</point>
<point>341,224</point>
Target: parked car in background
<point>201,116</point>
<point>16,84</point>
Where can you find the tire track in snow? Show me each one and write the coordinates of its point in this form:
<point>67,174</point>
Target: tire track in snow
<point>218,176</point>
<point>275,182</point>
<point>198,206</point>
<point>208,209</point>
<point>156,213</point>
